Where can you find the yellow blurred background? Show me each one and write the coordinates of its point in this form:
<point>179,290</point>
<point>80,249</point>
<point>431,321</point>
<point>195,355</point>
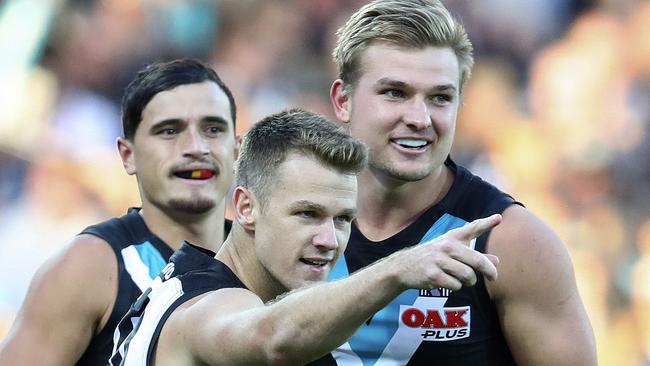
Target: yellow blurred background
<point>557,113</point>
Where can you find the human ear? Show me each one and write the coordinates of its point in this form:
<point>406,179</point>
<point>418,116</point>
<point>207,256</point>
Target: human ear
<point>125,149</point>
<point>245,204</point>
<point>340,100</point>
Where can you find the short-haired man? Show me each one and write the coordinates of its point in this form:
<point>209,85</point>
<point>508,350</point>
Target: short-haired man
<point>402,68</point>
<point>294,203</point>
<point>179,141</point>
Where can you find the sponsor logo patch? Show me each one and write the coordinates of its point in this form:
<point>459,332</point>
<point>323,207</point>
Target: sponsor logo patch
<point>437,325</point>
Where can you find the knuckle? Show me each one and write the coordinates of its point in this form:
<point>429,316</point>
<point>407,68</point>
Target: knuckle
<point>435,275</point>
<point>470,280</point>
<point>438,278</point>
<point>468,274</point>
<point>478,261</point>
<point>438,257</point>
<point>446,246</point>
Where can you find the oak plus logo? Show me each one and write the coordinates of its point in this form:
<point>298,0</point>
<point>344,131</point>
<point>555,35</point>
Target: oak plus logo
<point>436,322</point>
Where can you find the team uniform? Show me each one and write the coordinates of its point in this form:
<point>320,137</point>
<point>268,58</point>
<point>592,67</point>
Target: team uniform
<point>140,255</point>
<point>422,327</point>
<point>192,271</point>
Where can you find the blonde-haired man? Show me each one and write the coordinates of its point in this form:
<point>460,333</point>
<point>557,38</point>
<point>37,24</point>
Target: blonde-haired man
<point>402,68</point>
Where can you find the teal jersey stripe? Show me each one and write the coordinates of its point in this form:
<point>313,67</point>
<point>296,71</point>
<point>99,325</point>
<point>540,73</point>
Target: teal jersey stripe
<point>372,338</point>
<point>445,223</point>
<point>150,256</point>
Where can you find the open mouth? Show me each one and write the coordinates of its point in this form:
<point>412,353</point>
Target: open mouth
<point>196,174</point>
<point>413,144</point>
<point>314,262</point>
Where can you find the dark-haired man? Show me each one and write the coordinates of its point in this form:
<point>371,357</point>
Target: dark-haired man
<point>179,141</point>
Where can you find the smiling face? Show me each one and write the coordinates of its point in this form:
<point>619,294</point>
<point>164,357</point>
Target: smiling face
<point>305,224</point>
<point>183,149</point>
<point>403,107</point>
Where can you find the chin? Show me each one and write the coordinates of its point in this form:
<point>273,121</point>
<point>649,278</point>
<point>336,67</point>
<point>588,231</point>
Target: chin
<point>402,172</point>
<point>408,175</point>
<point>192,206</point>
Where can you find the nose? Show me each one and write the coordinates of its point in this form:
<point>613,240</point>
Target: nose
<point>417,114</point>
<point>326,238</point>
<point>194,143</point>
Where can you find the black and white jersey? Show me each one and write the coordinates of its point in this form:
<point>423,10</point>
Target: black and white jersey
<point>140,255</point>
<point>191,271</point>
<point>422,327</point>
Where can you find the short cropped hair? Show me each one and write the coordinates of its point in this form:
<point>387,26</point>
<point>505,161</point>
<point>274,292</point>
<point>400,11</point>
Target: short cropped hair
<point>268,143</point>
<point>162,76</point>
<point>406,23</point>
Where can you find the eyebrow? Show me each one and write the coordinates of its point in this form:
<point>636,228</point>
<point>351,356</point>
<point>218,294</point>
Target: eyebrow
<point>401,84</point>
<point>215,119</point>
<point>165,122</point>
<point>309,205</point>
<point>176,121</point>
<point>391,82</point>
<point>445,87</point>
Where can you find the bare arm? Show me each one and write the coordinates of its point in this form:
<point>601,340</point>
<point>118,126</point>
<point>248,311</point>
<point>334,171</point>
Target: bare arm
<point>541,312</point>
<point>232,326</point>
<point>68,300</point>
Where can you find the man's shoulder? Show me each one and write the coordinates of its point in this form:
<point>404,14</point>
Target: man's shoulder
<point>128,224</point>
<point>85,256</point>
<point>474,183</point>
<point>81,273</point>
<point>471,197</point>
<point>125,231</point>
<point>199,272</point>
<point>178,306</point>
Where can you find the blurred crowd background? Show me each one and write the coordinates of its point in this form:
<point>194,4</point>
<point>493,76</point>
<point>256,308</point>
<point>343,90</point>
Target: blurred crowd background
<point>557,113</point>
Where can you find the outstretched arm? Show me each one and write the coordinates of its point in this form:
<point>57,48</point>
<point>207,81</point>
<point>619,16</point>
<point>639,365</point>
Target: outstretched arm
<point>307,323</point>
<point>64,306</point>
<point>541,312</point>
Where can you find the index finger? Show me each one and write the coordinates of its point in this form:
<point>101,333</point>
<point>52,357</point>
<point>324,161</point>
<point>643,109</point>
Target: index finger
<point>477,227</point>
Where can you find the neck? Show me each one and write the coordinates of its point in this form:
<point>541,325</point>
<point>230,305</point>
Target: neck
<point>238,253</point>
<point>387,206</point>
<point>204,230</point>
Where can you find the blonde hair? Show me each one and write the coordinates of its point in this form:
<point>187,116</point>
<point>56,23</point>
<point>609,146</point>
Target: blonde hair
<point>408,23</point>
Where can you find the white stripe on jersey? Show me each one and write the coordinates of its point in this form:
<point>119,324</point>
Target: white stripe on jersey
<point>406,340</point>
<point>344,355</point>
<point>135,321</point>
<point>162,297</point>
<point>138,270</point>
<point>402,345</point>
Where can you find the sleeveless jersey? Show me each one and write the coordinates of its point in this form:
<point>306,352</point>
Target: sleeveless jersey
<point>437,327</point>
<point>192,271</point>
<point>140,255</point>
